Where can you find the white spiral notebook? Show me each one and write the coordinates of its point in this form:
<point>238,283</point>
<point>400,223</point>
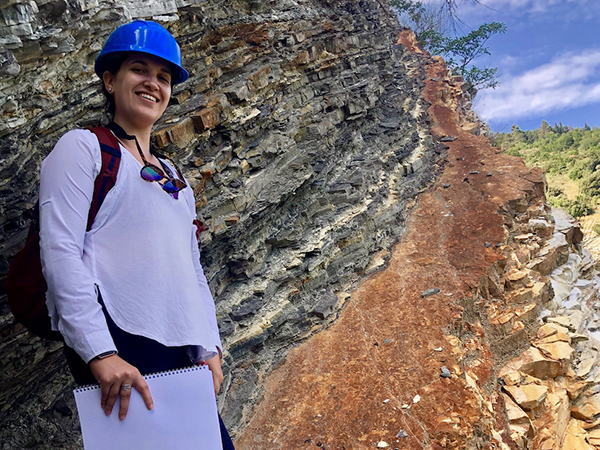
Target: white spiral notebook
<point>184,415</point>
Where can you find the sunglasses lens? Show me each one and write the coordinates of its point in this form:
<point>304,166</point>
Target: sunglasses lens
<point>152,173</point>
<point>173,185</point>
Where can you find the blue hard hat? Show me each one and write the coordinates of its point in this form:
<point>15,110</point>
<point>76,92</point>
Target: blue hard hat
<point>148,37</point>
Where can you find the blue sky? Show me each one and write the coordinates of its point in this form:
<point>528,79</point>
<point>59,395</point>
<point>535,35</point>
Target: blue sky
<point>549,62</point>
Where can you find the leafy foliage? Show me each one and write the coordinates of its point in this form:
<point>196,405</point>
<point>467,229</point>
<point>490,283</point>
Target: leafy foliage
<point>560,149</point>
<point>430,24</point>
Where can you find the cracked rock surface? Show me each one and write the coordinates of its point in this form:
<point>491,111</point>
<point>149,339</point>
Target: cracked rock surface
<point>315,142</point>
<point>330,392</point>
<point>302,130</point>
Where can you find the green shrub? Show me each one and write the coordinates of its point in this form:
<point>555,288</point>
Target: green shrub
<point>575,174</point>
<point>581,206</point>
<point>561,150</point>
<point>591,185</point>
<point>554,191</point>
<point>561,202</point>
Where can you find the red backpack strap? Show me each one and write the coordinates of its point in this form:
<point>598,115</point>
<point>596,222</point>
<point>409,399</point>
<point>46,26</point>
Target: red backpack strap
<point>199,229</point>
<point>106,179</point>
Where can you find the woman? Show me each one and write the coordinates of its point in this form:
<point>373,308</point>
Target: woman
<point>129,295</point>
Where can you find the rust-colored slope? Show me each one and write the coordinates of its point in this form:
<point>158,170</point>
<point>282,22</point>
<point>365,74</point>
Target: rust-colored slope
<point>345,387</point>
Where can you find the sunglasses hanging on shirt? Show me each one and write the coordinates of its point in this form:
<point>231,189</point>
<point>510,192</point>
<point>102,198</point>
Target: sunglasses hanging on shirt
<point>151,172</point>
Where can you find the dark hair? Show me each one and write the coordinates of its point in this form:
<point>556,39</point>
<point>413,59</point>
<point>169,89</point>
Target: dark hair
<point>112,63</point>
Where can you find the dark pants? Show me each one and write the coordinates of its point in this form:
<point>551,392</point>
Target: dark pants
<point>146,354</point>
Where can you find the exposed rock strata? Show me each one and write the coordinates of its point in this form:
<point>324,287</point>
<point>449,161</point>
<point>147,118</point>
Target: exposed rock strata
<point>485,237</point>
<point>562,360</point>
<point>302,131</point>
<point>305,134</point>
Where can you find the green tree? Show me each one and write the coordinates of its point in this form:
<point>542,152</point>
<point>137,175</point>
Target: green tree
<point>581,206</point>
<point>591,185</point>
<point>425,20</point>
<point>561,150</point>
<point>517,135</point>
<point>559,128</point>
<point>545,129</point>
<point>459,51</point>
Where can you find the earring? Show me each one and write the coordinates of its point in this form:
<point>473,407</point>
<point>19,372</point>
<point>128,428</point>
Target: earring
<point>109,89</point>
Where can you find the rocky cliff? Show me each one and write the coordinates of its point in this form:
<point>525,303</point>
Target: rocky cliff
<point>346,197</point>
<point>303,133</point>
<point>444,348</point>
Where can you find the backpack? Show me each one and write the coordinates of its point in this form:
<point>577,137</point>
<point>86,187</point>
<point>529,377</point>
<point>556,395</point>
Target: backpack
<point>25,284</point>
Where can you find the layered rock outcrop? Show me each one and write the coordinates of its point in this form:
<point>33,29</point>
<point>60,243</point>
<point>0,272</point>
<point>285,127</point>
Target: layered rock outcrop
<point>443,348</point>
<point>302,131</point>
<point>550,390</point>
<point>379,269</point>
<point>413,360</point>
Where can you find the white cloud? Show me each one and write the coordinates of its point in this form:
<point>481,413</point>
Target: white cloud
<point>531,5</point>
<point>509,62</point>
<point>533,8</point>
<point>568,81</point>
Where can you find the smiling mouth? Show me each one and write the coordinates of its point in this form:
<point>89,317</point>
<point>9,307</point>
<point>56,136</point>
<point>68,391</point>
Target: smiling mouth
<point>148,97</point>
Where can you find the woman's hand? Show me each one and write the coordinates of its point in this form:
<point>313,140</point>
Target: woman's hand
<point>113,373</point>
<point>214,364</point>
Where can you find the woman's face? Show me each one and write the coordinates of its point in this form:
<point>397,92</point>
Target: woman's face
<point>141,89</point>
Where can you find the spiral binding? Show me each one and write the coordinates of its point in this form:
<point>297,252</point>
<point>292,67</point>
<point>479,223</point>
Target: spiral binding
<point>92,387</point>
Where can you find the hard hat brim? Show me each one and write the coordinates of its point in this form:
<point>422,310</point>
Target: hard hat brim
<point>147,37</point>
<point>178,74</point>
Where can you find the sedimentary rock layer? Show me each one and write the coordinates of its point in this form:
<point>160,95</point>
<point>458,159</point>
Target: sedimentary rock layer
<point>412,360</point>
<point>302,130</point>
<point>311,138</point>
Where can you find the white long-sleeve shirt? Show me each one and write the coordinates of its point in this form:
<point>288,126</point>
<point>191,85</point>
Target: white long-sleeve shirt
<point>141,253</point>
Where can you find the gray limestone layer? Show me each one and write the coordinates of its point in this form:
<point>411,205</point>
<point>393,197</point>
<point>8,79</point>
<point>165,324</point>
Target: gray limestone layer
<point>301,130</point>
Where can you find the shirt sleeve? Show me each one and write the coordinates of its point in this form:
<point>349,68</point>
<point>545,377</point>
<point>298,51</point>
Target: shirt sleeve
<point>66,190</point>
<point>207,298</point>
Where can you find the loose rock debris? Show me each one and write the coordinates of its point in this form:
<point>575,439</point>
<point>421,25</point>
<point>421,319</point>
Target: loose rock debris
<point>430,292</point>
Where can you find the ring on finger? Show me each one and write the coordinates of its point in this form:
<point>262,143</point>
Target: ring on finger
<point>125,387</point>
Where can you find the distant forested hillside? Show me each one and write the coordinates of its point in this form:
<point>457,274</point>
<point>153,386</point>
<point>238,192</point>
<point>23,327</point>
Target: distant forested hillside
<point>570,157</point>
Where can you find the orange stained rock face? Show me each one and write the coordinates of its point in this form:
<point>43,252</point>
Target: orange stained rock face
<point>331,392</point>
